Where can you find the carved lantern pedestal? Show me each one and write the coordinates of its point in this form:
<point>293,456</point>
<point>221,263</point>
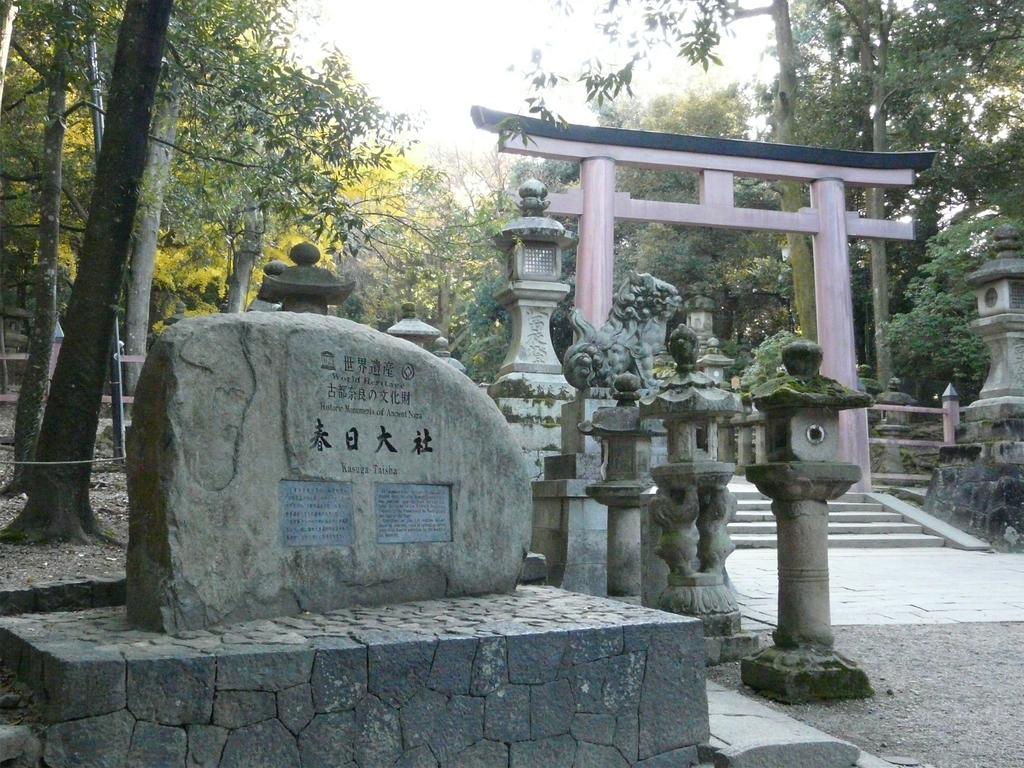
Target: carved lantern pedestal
<point>801,412</point>
<point>979,483</point>
<point>693,505</point>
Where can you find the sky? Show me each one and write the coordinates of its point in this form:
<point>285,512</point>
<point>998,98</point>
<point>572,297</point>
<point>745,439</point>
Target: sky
<point>434,60</point>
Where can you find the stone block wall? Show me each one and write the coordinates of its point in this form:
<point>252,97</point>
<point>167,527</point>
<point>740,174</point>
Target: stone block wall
<point>538,678</point>
<point>535,423</point>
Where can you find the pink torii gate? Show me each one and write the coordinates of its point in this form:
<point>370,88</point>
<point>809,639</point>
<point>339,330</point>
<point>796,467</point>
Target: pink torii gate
<point>717,162</point>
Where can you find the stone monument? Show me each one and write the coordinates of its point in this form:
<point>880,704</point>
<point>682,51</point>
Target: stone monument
<point>294,480</point>
<point>979,483</point>
<point>693,505</point>
<point>530,388</point>
<point>801,410</point>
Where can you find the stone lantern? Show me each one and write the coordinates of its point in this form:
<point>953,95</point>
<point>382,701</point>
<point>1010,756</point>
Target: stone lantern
<point>999,285</point>
<point>701,318</point>
<point>441,350</point>
<point>627,476</point>
<point>261,303</point>
<point>714,363</point>
<point>305,287</point>
<point>693,505</point>
<point>801,410</point>
<point>533,246</point>
<point>979,483</point>
<point>895,425</point>
<point>412,329</point>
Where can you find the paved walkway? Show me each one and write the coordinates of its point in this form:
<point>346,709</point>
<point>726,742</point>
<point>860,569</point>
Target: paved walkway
<point>894,586</point>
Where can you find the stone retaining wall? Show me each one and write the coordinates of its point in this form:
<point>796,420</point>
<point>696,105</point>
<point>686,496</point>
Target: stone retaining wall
<point>64,595</point>
<point>538,678</point>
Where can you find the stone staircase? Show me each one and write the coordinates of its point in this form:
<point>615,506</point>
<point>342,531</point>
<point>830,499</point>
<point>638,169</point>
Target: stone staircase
<point>853,522</point>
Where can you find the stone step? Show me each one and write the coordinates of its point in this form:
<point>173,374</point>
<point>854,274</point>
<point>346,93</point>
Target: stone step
<point>846,541</point>
<point>765,527</point>
<point>757,516</point>
<point>834,506</point>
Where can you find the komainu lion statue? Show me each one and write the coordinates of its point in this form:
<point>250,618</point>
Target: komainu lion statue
<point>628,342</point>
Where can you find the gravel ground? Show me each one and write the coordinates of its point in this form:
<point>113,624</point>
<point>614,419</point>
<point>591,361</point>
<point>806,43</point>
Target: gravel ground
<point>22,564</point>
<point>946,694</point>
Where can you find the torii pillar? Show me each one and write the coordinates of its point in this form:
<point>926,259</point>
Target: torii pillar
<point>717,162</point>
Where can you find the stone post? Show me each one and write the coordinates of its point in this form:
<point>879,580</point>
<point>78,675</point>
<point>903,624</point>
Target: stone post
<point>894,425</point>
<point>627,476</point>
<point>801,475</point>
<point>693,505</point>
<point>979,483</point>
<point>950,414</point>
<point>305,287</point>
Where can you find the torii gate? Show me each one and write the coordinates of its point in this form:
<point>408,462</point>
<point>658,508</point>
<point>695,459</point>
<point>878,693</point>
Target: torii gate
<point>717,161</point>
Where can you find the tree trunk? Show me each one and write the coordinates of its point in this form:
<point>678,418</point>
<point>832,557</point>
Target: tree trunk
<point>32,391</point>
<point>800,258</point>
<point>876,204</point>
<point>58,501</point>
<point>8,10</point>
<point>245,259</point>
<point>147,229</point>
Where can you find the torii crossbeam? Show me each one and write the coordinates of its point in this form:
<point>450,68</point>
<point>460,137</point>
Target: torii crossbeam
<point>717,162</point>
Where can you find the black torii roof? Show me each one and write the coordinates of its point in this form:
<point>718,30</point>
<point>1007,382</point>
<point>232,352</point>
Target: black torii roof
<point>494,121</point>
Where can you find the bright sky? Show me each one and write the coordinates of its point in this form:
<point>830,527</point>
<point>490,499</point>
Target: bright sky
<point>435,60</point>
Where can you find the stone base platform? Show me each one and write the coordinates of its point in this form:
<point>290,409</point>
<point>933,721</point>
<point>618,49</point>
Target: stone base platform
<point>538,678</point>
<point>799,675</point>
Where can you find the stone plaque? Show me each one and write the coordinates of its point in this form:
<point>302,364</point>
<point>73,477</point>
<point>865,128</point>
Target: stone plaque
<point>315,513</point>
<point>409,513</point>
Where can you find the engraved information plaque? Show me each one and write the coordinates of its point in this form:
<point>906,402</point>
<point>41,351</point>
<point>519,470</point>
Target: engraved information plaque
<point>410,513</point>
<point>315,513</point>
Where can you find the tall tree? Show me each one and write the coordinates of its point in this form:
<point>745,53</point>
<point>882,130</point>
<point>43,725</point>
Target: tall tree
<point>34,379</point>
<point>142,262</point>
<point>58,499</point>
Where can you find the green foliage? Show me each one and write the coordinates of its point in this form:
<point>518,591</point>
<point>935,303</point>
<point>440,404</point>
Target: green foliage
<point>933,339</point>
<point>767,360</point>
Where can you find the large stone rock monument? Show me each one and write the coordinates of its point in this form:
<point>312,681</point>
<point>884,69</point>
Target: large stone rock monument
<point>979,483</point>
<point>801,410</point>
<point>295,481</point>
<point>284,462</point>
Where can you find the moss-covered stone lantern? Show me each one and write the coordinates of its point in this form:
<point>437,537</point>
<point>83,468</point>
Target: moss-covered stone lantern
<point>801,410</point>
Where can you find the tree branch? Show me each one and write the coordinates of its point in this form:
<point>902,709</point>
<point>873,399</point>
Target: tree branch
<point>746,13</point>
<point>27,58</point>
<point>75,202</point>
